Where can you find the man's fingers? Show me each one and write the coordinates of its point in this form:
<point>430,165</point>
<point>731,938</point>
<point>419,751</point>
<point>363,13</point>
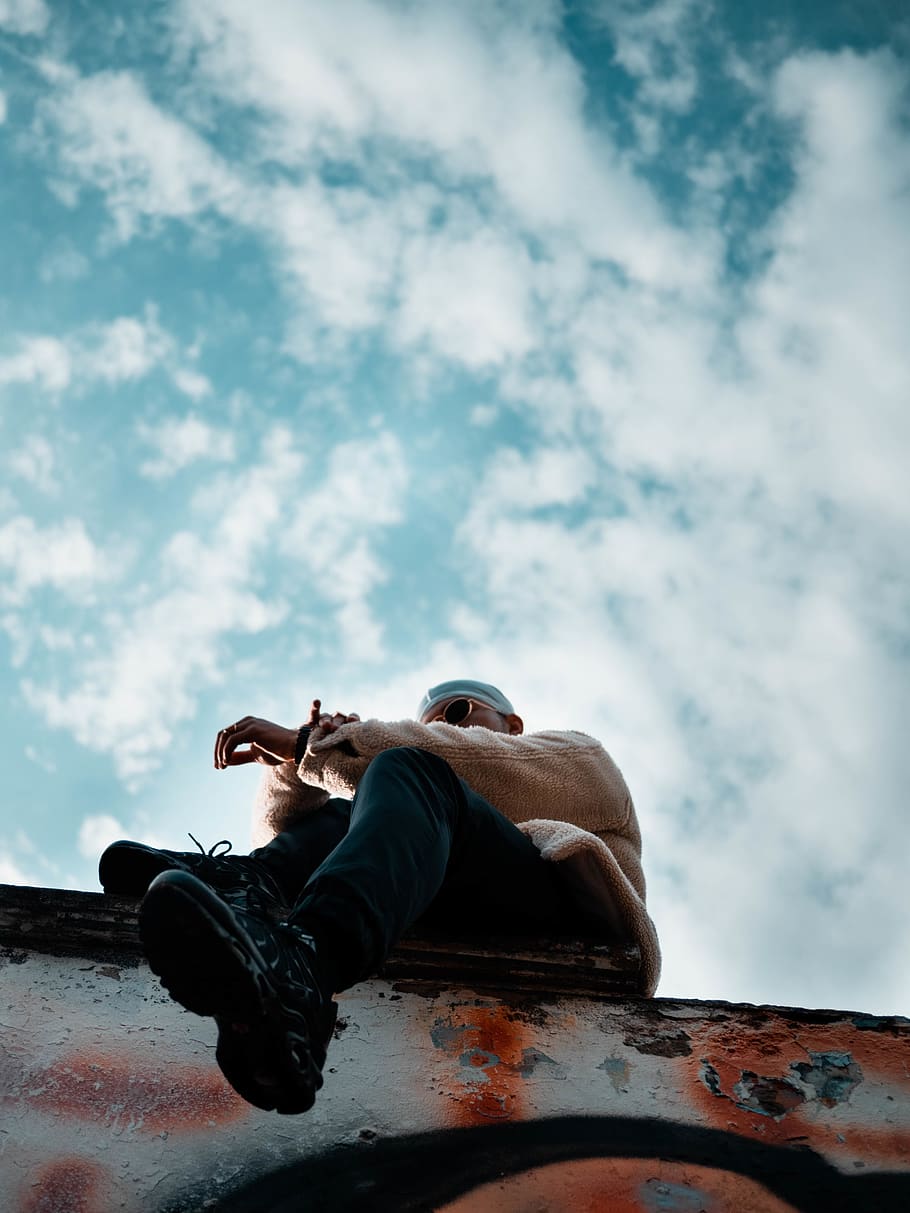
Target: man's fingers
<point>239,757</point>
<point>219,746</point>
<point>232,737</point>
<point>255,753</point>
<point>227,739</point>
<point>221,741</point>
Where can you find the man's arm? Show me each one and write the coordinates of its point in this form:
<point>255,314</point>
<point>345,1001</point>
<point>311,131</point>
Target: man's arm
<point>283,796</point>
<point>268,743</point>
<point>567,776</point>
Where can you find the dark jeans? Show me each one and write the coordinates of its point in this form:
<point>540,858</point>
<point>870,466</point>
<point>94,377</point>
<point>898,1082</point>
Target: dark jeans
<point>415,843</point>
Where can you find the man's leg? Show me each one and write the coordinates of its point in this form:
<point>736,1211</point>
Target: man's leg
<point>292,856</point>
<point>421,843</point>
<point>419,839</point>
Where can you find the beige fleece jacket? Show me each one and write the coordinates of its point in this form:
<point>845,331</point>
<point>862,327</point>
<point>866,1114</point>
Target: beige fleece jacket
<point>562,789</point>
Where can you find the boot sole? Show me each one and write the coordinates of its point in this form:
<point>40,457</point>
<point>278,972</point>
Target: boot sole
<point>209,964</point>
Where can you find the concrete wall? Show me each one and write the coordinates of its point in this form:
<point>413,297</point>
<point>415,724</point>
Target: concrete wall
<point>447,1097</point>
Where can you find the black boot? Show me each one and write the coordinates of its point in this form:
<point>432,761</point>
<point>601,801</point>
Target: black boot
<point>128,868</point>
<point>258,979</point>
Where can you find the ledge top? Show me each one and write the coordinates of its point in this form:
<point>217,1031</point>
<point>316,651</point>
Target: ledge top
<point>98,926</point>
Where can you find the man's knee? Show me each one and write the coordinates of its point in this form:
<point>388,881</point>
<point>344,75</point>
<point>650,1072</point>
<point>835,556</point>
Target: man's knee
<point>420,769</point>
<point>412,758</point>
<point>406,775</point>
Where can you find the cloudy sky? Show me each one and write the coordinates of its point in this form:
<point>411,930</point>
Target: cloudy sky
<point>349,347</point>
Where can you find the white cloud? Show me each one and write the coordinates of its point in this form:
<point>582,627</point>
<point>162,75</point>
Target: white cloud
<point>192,383</point>
<point>559,476</point>
<point>826,333</point>
<point>121,350</point>
<point>490,92</point>
<point>45,761</point>
<point>21,860</point>
<point>41,360</point>
<point>335,249</point>
<point>56,639</point>
<point>63,264</point>
<point>655,44</point>
<point>34,462</point>
<point>97,832</point>
<point>332,530</point>
<point>112,137</point>
<point>721,613</point>
<point>753,724</point>
<point>24,16</point>
<point>470,298</point>
<point>3,107</point>
<point>182,441</point>
<point>490,101</point>
<point>12,873</point>
<point>61,555</point>
<point>483,414</point>
<point>131,699</point>
<point>125,349</point>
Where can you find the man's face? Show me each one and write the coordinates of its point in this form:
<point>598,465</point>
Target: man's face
<point>480,715</point>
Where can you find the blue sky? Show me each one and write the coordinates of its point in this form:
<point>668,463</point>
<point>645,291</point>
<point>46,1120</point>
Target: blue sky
<point>346,348</point>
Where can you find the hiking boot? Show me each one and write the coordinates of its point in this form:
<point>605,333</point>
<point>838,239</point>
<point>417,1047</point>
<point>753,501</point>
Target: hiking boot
<point>128,868</point>
<point>258,979</point>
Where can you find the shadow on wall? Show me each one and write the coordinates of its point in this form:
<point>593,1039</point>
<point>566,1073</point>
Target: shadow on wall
<point>590,1162</point>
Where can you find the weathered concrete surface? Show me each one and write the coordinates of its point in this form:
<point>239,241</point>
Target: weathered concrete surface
<point>444,1096</point>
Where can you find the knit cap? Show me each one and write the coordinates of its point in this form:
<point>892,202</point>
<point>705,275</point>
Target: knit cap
<point>465,688</point>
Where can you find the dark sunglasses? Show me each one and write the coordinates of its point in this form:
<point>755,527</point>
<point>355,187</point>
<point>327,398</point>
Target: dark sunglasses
<point>459,710</point>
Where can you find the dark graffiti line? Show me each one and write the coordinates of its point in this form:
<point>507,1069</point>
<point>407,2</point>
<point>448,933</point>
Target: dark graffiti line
<point>426,1170</point>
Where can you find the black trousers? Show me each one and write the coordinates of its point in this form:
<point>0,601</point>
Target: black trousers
<point>415,843</point>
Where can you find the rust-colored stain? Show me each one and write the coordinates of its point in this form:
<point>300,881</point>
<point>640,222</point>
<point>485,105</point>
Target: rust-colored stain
<point>67,1185</point>
<point>780,1083</point>
<point>120,1091</point>
<point>488,1044</point>
<point>621,1185</point>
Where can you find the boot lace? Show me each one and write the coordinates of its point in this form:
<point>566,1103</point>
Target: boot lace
<point>248,880</point>
<point>210,853</point>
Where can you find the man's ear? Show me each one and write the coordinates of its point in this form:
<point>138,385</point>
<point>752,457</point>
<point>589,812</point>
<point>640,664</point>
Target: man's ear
<point>515,723</point>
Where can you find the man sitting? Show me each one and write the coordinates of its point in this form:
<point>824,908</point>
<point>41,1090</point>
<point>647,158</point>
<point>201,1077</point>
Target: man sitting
<point>458,819</point>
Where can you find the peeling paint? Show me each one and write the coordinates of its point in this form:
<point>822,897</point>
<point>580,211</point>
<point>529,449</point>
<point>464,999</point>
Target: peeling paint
<point>710,1077</point>
<point>661,1197</point>
<point>833,1076</point>
<point>767,1096</point>
<point>662,1044</point>
<point>539,1064</point>
<point>618,1071</point>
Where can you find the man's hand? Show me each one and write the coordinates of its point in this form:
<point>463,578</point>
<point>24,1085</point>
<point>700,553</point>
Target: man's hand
<point>268,743</point>
<point>329,724</point>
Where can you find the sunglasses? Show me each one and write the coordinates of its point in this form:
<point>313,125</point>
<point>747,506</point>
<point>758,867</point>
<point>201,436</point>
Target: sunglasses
<point>459,710</point>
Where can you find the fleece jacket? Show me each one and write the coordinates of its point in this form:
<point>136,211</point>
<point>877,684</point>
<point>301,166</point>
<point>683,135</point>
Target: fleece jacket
<point>562,789</point>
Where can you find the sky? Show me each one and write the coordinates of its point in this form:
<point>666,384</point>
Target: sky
<point>348,348</point>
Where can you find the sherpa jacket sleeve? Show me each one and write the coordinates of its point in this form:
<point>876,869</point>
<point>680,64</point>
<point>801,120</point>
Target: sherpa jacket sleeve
<point>282,798</point>
<point>561,776</point>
